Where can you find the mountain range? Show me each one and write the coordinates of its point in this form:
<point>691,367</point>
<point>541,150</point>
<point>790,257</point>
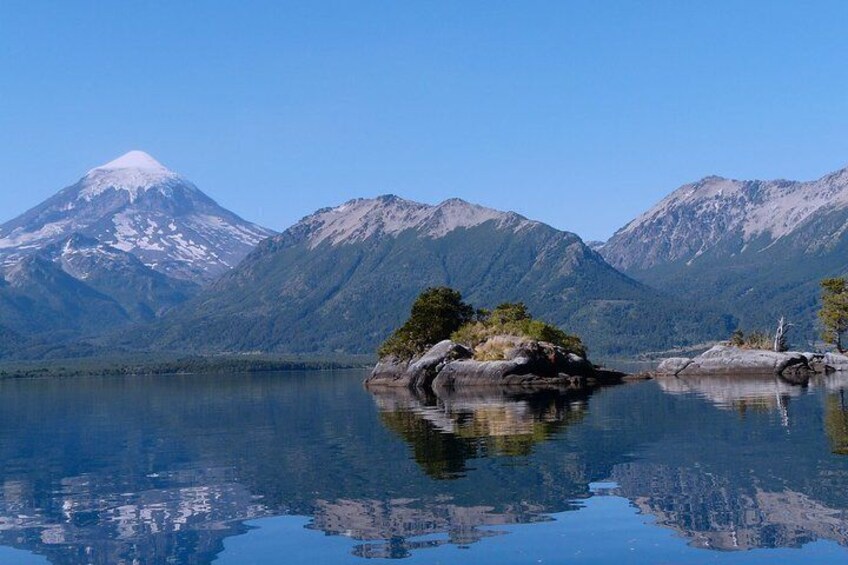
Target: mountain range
<point>134,256</point>
<point>754,248</point>
<point>343,278</point>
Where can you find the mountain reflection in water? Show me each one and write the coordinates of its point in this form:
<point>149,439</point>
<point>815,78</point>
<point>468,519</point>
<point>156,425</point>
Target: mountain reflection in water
<point>111,470</point>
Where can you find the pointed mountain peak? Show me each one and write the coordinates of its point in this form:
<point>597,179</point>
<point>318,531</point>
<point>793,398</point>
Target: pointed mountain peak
<point>135,173</point>
<point>459,205</point>
<point>134,204</point>
<point>134,159</point>
<point>456,202</point>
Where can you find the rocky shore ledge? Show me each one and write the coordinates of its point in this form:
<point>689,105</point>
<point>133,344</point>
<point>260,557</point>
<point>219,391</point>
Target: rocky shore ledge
<point>449,365</point>
<point>793,366</point>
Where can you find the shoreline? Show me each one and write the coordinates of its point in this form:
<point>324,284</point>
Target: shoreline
<point>146,365</point>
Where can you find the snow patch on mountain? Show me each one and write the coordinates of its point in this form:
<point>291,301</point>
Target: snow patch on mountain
<point>195,239</point>
<point>78,253</point>
<point>389,215</point>
<point>696,217</point>
<point>756,207</point>
<point>216,225</point>
<point>22,239</point>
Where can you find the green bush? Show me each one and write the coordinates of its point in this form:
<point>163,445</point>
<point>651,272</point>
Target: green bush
<point>754,340</point>
<point>513,319</point>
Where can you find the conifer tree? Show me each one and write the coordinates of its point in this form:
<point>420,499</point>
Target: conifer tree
<point>834,310</point>
<point>435,315</point>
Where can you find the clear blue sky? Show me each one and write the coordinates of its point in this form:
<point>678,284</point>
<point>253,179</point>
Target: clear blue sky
<point>580,114</point>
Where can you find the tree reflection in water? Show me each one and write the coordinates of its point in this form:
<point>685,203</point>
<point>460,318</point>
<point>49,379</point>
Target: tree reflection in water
<point>447,428</point>
<point>836,422</point>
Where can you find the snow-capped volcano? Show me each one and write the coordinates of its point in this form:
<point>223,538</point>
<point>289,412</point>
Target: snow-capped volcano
<point>137,205</point>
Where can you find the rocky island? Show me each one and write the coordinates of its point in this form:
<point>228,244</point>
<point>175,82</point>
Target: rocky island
<point>446,344</point>
<point>793,366</point>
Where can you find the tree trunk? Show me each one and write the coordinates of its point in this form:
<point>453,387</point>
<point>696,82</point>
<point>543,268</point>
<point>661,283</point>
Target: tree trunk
<point>780,342</point>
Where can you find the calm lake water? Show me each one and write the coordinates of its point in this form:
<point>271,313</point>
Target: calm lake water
<point>312,468</point>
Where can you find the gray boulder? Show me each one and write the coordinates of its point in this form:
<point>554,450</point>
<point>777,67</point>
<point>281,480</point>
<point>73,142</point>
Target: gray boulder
<point>515,361</point>
<point>389,371</point>
<point>729,360</point>
<point>673,365</point>
<point>834,362</point>
<point>418,372</point>
<point>470,373</point>
<point>424,370</point>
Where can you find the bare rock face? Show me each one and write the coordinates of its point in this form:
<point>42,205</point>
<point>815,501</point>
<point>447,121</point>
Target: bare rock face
<point>419,372</point>
<point>834,362</point>
<point>729,360</point>
<point>673,365</point>
<point>518,362</point>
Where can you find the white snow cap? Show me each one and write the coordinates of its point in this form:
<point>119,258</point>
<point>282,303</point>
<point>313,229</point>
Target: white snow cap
<point>134,172</point>
<point>134,159</point>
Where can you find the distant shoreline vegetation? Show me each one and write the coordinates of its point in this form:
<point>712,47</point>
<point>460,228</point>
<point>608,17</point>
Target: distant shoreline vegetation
<point>182,365</point>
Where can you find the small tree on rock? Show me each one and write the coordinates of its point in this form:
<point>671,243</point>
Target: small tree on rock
<point>737,338</point>
<point>435,315</point>
<point>834,311</point>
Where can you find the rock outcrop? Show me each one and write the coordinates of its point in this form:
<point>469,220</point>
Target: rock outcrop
<point>419,372</point>
<point>518,362</point>
<point>830,362</point>
<point>728,360</point>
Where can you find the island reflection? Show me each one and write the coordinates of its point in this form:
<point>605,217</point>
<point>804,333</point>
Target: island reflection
<point>116,470</point>
<point>446,428</point>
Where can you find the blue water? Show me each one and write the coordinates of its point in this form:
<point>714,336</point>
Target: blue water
<point>312,468</point>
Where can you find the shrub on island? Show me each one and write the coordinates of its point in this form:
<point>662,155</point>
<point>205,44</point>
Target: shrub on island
<point>753,340</point>
<point>439,313</point>
<point>513,320</point>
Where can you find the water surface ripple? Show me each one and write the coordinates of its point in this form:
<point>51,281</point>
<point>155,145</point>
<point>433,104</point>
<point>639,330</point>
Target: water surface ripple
<point>310,467</point>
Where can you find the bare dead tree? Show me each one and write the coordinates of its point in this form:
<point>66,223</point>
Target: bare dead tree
<point>780,335</point>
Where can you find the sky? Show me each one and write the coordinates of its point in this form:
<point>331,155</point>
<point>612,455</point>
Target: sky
<point>578,114</point>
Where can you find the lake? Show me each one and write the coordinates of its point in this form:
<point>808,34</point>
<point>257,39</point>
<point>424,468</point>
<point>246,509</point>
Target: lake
<point>309,467</point>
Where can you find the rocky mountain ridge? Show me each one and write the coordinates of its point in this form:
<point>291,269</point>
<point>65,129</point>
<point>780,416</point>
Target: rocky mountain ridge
<point>717,214</point>
<point>343,278</point>
<point>390,215</point>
